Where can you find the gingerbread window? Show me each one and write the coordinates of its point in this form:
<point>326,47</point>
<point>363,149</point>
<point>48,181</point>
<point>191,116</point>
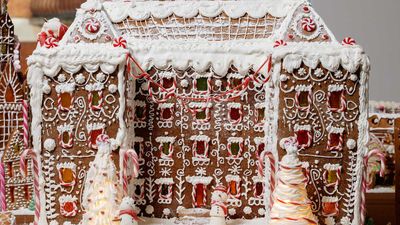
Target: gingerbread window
<point>138,146</point>
<point>336,98</point>
<point>67,173</point>
<point>10,169</point>
<point>164,190</point>
<point>259,187</point>
<point>68,205</point>
<point>201,110</point>
<point>199,191</point>
<point>332,174</point>
<point>303,135</point>
<point>303,97</point>
<point>260,112</point>
<point>138,189</point>
<point>166,146</point>
<point>95,97</point>
<point>235,112</point>
<point>330,206</point>
<point>200,146</point>
<point>335,138</point>
<point>94,129</point>
<point>235,80</point>
<point>260,145</point>
<point>140,110</point>
<point>166,111</point>
<point>65,98</point>
<point>235,146</point>
<point>65,135</point>
<point>233,182</point>
<point>202,82</point>
<point>167,79</point>
<point>12,194</point>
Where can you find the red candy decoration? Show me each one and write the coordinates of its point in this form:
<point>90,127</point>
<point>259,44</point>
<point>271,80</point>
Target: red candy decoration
<point>308,24</point>
<point>279,43</point>
<point>92,25</point>
<point>349,41</point>
<point>51,42</point>
<point>120,42</point>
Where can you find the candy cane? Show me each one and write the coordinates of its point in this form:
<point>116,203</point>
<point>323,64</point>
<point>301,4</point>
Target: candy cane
<point>268,155</point>
<point>25,124</point>
<point>3,202</point>
<point>23,168</point>
<point>381,156</point>
<point>129,154</point>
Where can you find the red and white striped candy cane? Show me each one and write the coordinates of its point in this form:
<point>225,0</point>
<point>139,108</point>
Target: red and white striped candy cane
<point>23,168</point>
<point>3,202</point>
<point>25,122</point>
<point>381,156</point>
<point>268,155</point>
<point>129,154</point>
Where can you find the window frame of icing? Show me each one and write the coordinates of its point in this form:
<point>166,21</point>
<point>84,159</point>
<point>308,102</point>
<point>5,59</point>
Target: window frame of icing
<point>300,91</point>
<point>236,181</point>
<point>100,100</point>
<point>100,129</point>
<point>66,130</point>
<point>166,106</point>
<point>140,104</point>
<point>239,108</point>
<point>335,90</point>
<point>67,166</point>
<point>299,132</point>
<point>240,147</point>
<point>165,198</point>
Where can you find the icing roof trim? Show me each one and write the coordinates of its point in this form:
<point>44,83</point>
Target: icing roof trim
<point>119,11</point>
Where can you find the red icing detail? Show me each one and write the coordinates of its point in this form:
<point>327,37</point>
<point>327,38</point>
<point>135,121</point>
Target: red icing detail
<point>306,9</point>
<point>290,36</point>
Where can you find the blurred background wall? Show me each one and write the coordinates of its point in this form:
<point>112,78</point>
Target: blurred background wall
<point>374,24</point>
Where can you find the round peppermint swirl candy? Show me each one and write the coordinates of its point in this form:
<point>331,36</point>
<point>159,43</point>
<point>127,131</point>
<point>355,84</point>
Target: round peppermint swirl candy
<point>308,24</point>
<point>51,42</point>
<point>92,25</point>
<point>120,42</point>
<point>279,43</point>
<point>349,41</point>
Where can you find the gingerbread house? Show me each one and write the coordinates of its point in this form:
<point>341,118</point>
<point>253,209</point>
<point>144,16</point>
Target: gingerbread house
<point>10,81</point>
<point>18,187</point>
<point>202,91</point>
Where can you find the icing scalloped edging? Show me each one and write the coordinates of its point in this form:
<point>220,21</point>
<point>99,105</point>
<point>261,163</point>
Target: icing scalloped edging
<point>119,11</point>
<point>73,57</point>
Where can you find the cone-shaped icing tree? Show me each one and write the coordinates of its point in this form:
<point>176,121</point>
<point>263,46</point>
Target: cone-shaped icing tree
<point>101,196</point>
<point>291,204</point>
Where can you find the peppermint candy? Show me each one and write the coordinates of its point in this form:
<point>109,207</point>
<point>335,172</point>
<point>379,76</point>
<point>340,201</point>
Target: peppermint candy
<point>279,43</point>
<point>349,41</point>
<point>92,25</point>
<point>51,42</point>
<point>102,138</point>
<point>120,42</point>
<point>308,24</point>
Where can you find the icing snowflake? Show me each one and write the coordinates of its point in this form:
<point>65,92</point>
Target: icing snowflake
<point>165,171</point>
<point>100,77</point>
<point>319,72</point>
<point>235,170</point>
<point>338,74</point>
<point>149,209</point>
<point>345,221</point>
<point>201,172</point>
<point>330,221</point>
<point>80,79</point>
<point>232,211</point>
<point>247,210</point>
<point>112,88</point>
<point>62,78</point>
<point>302,72</point>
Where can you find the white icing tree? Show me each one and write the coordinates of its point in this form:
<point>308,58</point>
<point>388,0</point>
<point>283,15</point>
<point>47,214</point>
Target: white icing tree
<point>291,204</point>
<point>101,195</point>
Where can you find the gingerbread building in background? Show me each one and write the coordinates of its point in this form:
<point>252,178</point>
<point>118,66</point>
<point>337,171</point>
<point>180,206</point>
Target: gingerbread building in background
<point>203,91</point>
<point>19,188</point>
